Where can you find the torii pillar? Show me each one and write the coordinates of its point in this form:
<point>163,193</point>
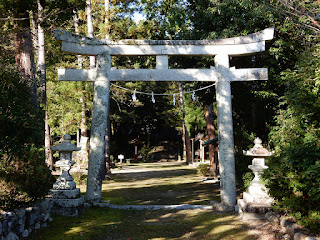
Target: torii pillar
<point>227,168</point>
<point>222,74</point>
<point>100,113</point>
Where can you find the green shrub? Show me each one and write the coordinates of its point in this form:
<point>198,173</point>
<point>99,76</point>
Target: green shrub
<point>293,177</point>
<point>204,170</point>
<point>247,179</point>
<point>79,178</point>
<point>24,178</point>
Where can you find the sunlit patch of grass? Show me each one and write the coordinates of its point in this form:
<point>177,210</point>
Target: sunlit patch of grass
<point>169,185</point>
<point>104,223</point>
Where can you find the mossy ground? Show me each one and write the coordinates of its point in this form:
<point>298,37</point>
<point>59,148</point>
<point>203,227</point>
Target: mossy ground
<point>107,224</point>
<point>159,184</point>
<point>154,184</point>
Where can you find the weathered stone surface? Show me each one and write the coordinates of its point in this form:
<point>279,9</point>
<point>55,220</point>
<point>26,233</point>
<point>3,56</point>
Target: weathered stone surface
<point>273,217</point>
<point>225,128</point>
<point>221,207</point>
<point>11,236</point>
<point>295,231</point>
<point>25,233</point>
<point>263,35</point>
<point>68,207</point>
<point>20,222</point>
<point>65,194</point>
<point>45,205</point>
<point>302,236</point>
<point>68,202</point>
<point>222,74</point>
<point>37,226</point>
<point>100,114</point>
<point>64,199</point>
<point>202,75</point>
<point>64,185</point>
<point>256,202</point>
<point>70,211</point>
<point>65,148</point>
<point>249,211</point>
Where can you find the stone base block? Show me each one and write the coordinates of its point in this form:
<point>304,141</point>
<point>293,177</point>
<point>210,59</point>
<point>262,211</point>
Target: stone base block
<point>68,185</point>
<point>68,212</point>
<point>221,207</point>
<point>253,211</point>
<point>67,207</point>
<point>65,194</point>
<point>257,199</point>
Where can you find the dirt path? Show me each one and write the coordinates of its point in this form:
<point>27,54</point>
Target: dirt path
<point>141,174</point>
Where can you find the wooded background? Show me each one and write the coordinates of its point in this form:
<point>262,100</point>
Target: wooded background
<point>36,109</point>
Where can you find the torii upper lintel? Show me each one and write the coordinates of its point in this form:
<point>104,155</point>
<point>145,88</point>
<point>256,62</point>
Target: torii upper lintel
<point>241,45</point>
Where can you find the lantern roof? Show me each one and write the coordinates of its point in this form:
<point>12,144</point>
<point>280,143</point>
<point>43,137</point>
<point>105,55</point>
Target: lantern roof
<point>66,145</point>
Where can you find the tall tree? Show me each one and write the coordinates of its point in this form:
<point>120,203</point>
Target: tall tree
<point>185,132</point>
<point>24,48</point>
<point>83,99</point>
<point>41,64</point>
<point>90,29</point>
<point>208,110</point>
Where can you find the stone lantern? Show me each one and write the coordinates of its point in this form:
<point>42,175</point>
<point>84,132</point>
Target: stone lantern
<point>256,200</point>
<point>65,148</point>
<point>65,196</point>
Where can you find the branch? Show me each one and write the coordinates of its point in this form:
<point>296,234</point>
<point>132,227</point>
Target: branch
<point>300,13</point>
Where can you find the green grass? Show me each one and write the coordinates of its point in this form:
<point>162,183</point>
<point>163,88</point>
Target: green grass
<point>170,185</point>
<point>158,184</point>
<point>107,224</point>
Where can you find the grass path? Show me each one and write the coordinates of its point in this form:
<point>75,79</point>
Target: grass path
<point>158,183</point>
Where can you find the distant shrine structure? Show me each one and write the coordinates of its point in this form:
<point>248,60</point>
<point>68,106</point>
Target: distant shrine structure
<point>221,74</point>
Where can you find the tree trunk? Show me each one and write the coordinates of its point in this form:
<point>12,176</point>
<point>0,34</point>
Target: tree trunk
<point>34,32</point>
<point>43,84</point>
<point>185,136</point>
<point>90,30</point>
<point>24,55</point>
<point>83,123</point>
<point>211,134</point>
<point>76,29</point>
<point>107,18</point>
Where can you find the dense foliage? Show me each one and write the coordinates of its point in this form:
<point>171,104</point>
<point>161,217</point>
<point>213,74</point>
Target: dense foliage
<point>294,173</point>
<point>24,176</point>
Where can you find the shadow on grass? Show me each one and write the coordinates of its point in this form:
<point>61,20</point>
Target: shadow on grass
<point>182,186</point>
<point>107,224</point>
<point>137,176</point>
<point>171,186</point>
<point>186,193</point>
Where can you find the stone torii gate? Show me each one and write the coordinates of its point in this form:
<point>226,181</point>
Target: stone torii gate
<point>221,73</point>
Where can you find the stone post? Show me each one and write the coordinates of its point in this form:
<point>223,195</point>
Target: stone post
<point>256,200</point>
<point>225,131</point>
<point>120,157</point>
<point>99,122</point>
<point>65,197</point>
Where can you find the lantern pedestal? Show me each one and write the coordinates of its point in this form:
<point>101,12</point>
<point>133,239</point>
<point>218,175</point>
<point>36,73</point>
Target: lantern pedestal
<point>256,201</point>
<point>65,197</point>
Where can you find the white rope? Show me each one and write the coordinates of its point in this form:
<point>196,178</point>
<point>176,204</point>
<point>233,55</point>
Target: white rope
<point>160,94</point>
